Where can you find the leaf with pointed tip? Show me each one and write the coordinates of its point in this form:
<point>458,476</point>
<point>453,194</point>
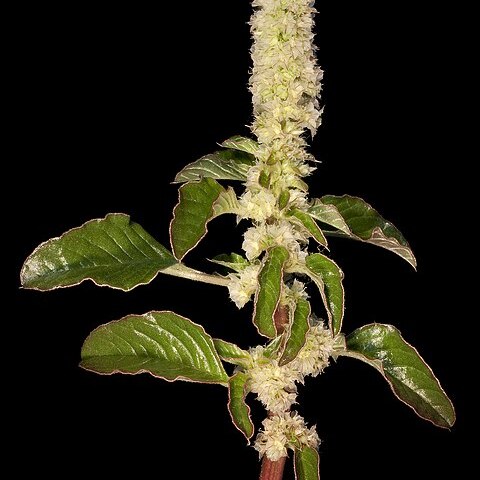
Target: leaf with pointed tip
<point>243,144</point>
<point>267,296</point>
<point>234,261</point>
<point>191,214</point>
<point>229,164</point>
<point>307,464</point>
<point>297,332</point>
<point>163,344</point>
<point>239,410</point>
<point>367,225</point>
<point>328,277</point>
<point>329,215</point>
<point>231,353</point>
<point>111,251</point>
<point>410,378</point>
<point>310,225</point>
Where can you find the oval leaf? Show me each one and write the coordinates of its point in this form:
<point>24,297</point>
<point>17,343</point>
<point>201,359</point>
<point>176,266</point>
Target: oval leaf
<point>229,352</point>
<point>221,165</point>
<point>267,296</point>
<point>243,144</point>
<point>328,277</point>
<point>297,332</point>
<point>307,464</point>
<point>368,225</point>
<point>191,214</point>
<point>310,225</point>
<point>163,344</point>
<point>239,410</point>
<point>112,251</point>
<point>410,378</point>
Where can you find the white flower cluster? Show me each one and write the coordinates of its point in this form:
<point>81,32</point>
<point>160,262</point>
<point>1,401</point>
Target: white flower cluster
<point>258,205</point>
<point>243,285</point>
<point>287,430</point>
<point>261,237</point>
<point>275,385</point>
<point>285,80</point>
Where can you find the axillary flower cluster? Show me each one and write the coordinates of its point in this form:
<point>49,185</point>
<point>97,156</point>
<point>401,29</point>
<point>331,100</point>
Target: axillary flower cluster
<point>285,85</point>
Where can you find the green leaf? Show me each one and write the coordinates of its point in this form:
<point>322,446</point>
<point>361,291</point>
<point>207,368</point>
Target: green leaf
<point>367,225</point>
<point>163,344</point>
<point>329,215</point>
<point>239,410</point>
<point>191,214</point>
<point>229,352</point>
<point>307,464</point>
<point>267,296</point>
<point>310,225</point>
<point>234,261</point>
<point>272,348</point>
<point>221,165</point>
<point>243,144</point>
<point>328,277</point>
<point>410,378</point>
<point>227,202</point>
<point>297,332</point>
<point>112,251</point>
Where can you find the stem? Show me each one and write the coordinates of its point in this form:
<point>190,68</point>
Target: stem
<point>180,270</point>
<point>281,318</point>
<point>272,470</point>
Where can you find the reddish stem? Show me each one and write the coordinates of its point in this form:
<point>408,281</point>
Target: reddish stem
<point>281,318</point>
<point>272,470</point>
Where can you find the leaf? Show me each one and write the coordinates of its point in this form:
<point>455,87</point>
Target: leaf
<point>271,349</point>
<point>328,278</point>
<point>307,464</point>
<point>297,332</point>
<point>410,378</point>
<point>234,261</point>
<point>267,296</point>
<point>229,352</point>
<point>243,144</point>
<point>310,225</point>
<point>329,215</point>
<point>191,214</point>
<point>227,202</point>
<point>221,165</point>
<point>163,344</point>
<point>367,225</point>
<point>112,251</point>
<point>239,410</point>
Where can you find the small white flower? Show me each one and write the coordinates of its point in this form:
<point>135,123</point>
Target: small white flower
<point>243,285</point>
<point>286,430</point>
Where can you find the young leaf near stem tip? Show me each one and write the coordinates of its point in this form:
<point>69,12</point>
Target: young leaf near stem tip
<point>410,378</point>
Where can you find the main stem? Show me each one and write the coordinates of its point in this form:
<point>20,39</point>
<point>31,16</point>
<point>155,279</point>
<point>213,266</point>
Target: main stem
<point>272,470</point>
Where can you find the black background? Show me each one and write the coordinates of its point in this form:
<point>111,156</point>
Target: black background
<point>109,103</point>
